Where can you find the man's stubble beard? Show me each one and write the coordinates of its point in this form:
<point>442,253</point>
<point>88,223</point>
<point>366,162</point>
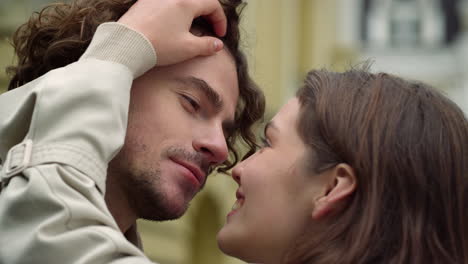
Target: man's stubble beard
<point>149,201</point>
<point>142,186</point>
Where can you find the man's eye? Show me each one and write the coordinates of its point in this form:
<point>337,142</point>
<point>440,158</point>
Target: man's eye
<point>190,103</point>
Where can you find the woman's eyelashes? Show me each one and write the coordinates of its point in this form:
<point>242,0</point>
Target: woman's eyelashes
<point>264,142</point>
<point>189,103</point>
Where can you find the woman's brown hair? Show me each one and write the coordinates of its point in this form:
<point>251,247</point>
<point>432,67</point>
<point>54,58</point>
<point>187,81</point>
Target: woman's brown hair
<point>408,145</point>
<point>60,33</point>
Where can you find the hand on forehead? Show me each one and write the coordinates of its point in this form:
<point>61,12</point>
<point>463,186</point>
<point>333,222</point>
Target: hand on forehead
<point>166,24</point>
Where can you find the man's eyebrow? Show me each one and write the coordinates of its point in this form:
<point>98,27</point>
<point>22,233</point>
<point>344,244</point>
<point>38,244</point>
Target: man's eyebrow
<point>213,97</point>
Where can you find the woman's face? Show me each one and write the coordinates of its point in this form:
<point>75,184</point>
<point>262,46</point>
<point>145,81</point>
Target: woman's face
<point>276,194</point>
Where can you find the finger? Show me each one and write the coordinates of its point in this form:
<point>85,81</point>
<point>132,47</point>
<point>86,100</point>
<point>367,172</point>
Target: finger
<point>204,45</point>
<point>215,15</point>
<point>219,22</point>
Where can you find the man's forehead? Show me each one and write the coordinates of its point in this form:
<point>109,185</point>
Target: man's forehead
<point>217,72</point>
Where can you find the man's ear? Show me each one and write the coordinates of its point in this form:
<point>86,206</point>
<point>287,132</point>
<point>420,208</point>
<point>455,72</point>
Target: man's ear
<point>342,186</point>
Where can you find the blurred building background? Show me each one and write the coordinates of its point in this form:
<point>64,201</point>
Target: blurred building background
<point>419,39</point>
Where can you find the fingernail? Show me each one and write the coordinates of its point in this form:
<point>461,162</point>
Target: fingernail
<point>217,44</point>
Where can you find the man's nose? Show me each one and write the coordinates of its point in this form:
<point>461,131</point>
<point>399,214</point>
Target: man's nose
<point>212,144</point>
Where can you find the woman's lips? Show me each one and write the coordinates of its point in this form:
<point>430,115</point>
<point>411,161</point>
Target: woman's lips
<point>239,202</point>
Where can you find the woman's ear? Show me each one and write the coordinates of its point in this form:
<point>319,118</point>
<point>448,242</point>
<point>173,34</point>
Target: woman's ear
<point>342,186</point>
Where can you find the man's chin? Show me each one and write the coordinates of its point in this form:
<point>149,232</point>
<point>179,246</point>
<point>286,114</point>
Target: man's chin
<point>164,217</point>
<point>165,213</point>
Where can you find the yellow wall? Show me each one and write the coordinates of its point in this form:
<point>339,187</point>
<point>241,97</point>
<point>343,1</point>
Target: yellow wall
<point>286,39</point>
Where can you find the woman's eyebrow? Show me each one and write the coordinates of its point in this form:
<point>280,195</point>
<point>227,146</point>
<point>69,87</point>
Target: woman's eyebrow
<point>270,125</point>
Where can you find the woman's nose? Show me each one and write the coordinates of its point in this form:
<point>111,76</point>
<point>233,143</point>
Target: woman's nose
<point>236,173</point>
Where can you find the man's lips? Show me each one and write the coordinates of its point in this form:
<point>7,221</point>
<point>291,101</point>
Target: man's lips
<point>194,169</point>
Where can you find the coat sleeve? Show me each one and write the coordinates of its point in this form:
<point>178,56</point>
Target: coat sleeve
<point>57,135</point>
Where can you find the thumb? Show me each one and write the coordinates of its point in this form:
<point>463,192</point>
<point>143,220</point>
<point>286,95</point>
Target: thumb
<point>204,45</point>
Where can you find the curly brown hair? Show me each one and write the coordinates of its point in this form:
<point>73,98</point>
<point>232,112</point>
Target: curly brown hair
<point>60,33</point>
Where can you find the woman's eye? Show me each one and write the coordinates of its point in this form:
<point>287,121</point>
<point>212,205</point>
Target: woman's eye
<point>265,142</point>
<point>190,103</point>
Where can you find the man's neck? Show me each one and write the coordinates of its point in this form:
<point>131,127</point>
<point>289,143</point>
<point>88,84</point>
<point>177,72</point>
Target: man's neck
<point>118,204</point>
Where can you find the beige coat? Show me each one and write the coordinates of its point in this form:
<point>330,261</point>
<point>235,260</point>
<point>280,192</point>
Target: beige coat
<point>57,135</point>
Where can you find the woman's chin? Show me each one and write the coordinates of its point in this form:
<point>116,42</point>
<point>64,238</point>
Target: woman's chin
<point>230,242</point>
<point>223,240</point>
<point>227,242</point>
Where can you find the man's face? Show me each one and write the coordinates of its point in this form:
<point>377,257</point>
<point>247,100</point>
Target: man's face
<point>178,122</point>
